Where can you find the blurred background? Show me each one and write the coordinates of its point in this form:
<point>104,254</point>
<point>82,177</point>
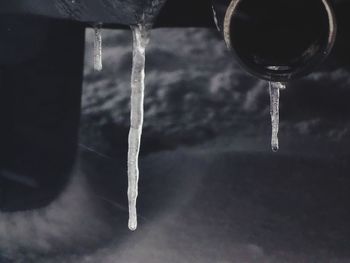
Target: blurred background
<point>211,190</point>
<point>218,192</point>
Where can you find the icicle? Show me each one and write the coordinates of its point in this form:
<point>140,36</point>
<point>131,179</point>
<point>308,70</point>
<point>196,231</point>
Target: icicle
<point>140,41</point>
<point>274,88</point>
<point>98,47</point>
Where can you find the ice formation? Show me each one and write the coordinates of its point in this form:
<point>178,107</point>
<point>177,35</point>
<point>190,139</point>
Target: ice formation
<point>274,88</point>
<point>98,47</point>
<point>140,40</point>
<point>140,34</point>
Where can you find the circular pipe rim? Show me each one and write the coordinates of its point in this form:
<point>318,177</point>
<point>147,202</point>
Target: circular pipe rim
<point>283,76</point>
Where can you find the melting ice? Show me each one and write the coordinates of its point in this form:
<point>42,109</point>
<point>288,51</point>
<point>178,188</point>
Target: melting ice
<point>140,34</point>
<point>274,88</point>
<point>98,47</point>
<point>140,41</point>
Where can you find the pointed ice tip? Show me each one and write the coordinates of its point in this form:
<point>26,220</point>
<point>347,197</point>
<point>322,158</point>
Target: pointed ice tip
<point>275,148</point>
<point>98,68</point>
<point>132,227</point>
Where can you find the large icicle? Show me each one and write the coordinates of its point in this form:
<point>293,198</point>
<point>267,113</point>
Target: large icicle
<point>140,41</point>
<point>98,47</point>
<point>274,88</point>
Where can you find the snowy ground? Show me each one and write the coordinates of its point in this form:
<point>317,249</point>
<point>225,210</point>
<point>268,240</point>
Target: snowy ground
<point>211,189</point>
<point>219,202</point>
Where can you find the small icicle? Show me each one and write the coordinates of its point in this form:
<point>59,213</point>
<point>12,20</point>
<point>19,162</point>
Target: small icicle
<point>98,47</point>
<point>274,88</point>
<point>140,41</point>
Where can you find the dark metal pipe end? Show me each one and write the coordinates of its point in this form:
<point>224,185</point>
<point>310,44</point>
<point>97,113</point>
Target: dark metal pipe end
<point>277,40</point>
